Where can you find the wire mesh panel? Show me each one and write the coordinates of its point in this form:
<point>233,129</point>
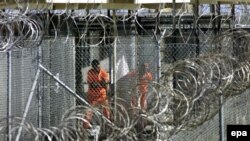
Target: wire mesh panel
<point>147,53</point>
<point>3,84</point>
<point>215,126</point>
<point>187,94</point>
<point>45,84</point>
<point>17,98</point>
<point>126,55</point>
<point>57,57</point>
<point>236,111</point>
<point>209,131</point>
<point>29,69</point>
<point>126,62</point>
<point>17,86</point>
<point>132,53</point>
<point>172,52</point>
<point>91,50</point>
<point>179,51</point>
<point>3,88</point>
<point>24,67</point>
<point>205,39</point>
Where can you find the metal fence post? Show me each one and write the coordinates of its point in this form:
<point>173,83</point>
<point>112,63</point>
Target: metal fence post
<point>221,118</point>
<point>9,114</point>
<point>196,27</point>
<point>158,76</point>
<point>114,78</point>
<point>114,64</point>
<point>39,89</point>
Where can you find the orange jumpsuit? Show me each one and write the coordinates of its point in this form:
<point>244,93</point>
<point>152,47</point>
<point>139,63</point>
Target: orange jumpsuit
<point>97,95</point>
<point>142,88</point>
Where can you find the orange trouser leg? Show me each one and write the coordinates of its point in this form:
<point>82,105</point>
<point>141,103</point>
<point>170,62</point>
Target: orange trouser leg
<point>89,114</point>
<point>106,112</point>
<point>133,101</point>
<point>143,101</point>
<point>105,109</point>
<point>88,117</point>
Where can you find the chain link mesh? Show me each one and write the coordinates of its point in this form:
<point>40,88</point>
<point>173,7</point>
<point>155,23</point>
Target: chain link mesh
<point>59,59</point>
<point>3,90</point>
<point>194,101</point>
<point>131,53</point>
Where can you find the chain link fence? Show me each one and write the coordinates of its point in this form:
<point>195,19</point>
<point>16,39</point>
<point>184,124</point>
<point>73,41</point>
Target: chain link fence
<point>49,101</point>
<point>234,110</point>
<point>132,53</point>
<point>70,63</point>
<point>235,113</point>
<point>18,74</point>
<point>59,58</point>
<point>3,89</point>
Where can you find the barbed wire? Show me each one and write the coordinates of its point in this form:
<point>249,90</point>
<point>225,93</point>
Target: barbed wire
<point>188,92</point>
<point>90,18</point>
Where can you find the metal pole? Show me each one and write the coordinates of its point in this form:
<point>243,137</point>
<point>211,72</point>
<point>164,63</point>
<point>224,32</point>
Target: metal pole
<point>158,75</point>
<point>219,17</point>
<point>221,119</point>
<point>114,66</point>
<point>158,61</point>
<point>233,16</point>
<point>196,15</point>
<point>213,16</point>
<point>221,116</point>
<point>174,14</point>
<point>232,26</point>
<point>174,40</point>
<point>39,90</point>
<point>9,113</point>
<point>114,78</point>
<point>174,28</point>
<point>28,105</point>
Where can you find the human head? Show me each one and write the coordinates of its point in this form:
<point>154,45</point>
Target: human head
<point>145,66</point>
<point>95,64</point>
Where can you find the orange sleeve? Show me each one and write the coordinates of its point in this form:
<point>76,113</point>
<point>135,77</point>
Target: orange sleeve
<point>104,75</point>
<point>149,76</point>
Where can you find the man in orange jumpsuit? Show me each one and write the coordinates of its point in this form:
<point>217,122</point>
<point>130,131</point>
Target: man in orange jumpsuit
<point>97,79</point>
<point>144,77</point>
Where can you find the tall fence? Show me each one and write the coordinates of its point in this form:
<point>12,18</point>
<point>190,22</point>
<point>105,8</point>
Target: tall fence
<point>235,113</point>
<point>47,101</point>
<point>70,62</point>
<point>197,54</point>
<point>235,108</point>
<point>59,58</point>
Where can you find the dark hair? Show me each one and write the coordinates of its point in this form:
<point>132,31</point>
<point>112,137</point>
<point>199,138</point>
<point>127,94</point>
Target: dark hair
<point>95,63</point>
